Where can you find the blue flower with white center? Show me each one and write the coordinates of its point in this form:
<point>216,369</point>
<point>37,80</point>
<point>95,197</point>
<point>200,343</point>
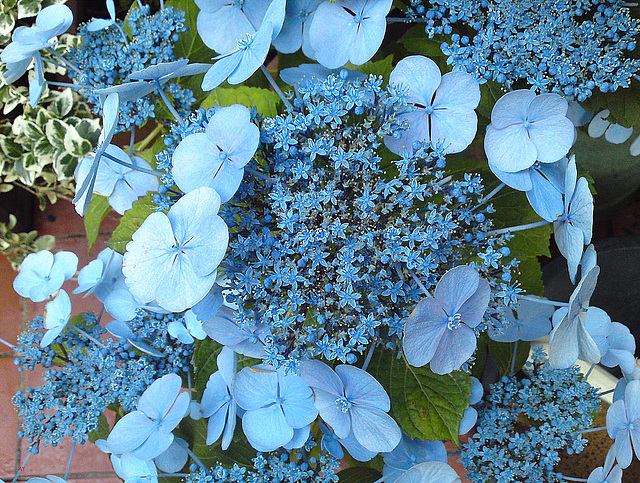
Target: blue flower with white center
<point>57,315</point>
<point>348,31</point>
<point>411,452</point>
<point>218,403</point>
<point>216,158</point>
<point>569,339</point>
<point>173,258</point>
<point>122,185</point>
<point>146,432</point>
<point>526,128</point>
<point>444,106</point>
<point>623,424</point>
<point>440,329</point>
<point>275,406</point>
<point>43,273</point>
<point>350,400</point>
<point>573,229</point>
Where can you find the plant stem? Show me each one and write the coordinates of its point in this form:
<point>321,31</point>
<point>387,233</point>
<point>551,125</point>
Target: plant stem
<point>543,301</point>
<point>570,478</point>
<point>513,229</point>
<point>164,97</point>
<point>513,358</point>
<point>258,174</point>
<point>600,394</point>
<point>132,166</point>
<point>68,84</point>
<point>10,346</point>
<point>493,192</point>
<point>367,360</point>
<point>150,137</point>
<point>406,20</point>
<point>73,448</point>
<point>132,140</point>
<point>21,468</point>
<point>65,61</point>
<point>592,430</point>
<point>195,458</point>
<point>420,284</point>
<point>276,88</point>
<point>586,376</point>
<point>91,338</point>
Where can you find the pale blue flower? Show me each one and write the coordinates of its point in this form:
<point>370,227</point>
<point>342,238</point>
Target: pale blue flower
<point>616,344</point>
<point>188,331</point>
<point>48,479</point>
<point>526,128</point>
<point>43,273</point>
<point>216,157</point>
<point>26,42</point>
<point>445,104</point>
<point>533,321</point>
<point>121,330</point>
<point>300,75</point>
<point>146,432</point>
<point>609,473</point>
<point>174,458</point>
<point>348,31</point>
<point>470,415</point>
<point>218,402</point>
<point>295,30</point>
<point>56,317</point>
<point>440,329</point>
<point>276,404</point>
<point>132,469</point>
<point>173,258</point>
<point>351,400</point>
<point>120,184</point>
<point>430,472</point>
<point>247,340</point>
<point>623,424</point>
<point>573,229</point>
<point>569,339</point>
<point>411,452</point>
<point>102,23</point>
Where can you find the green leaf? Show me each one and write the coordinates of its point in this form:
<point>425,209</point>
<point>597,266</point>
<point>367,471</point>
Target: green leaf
<point>28,8</point>
<point>381,67</point>
<point>102,431</point>
<point>27,129</point>
<point>424,404</point>
<point>359,474</point>
<point>501,353</point>
<point>529,274</point>
<point>10,148</point>
<point>75,144</point>
<point>266,101</point>
<point>98,209</point>
<point>62,104</point>
<point>490,92</point>
<point>130,222</point>
<point>418,42</point>
<point>623,104</point>
<point>55,131</point>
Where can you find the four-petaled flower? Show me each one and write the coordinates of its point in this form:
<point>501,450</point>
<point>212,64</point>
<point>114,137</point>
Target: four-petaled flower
<point>43,273</point>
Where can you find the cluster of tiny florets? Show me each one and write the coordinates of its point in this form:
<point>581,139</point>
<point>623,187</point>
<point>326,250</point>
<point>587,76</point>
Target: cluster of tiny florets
<point>526,423</point>
<point>82,379</point>
<point>106,58</point>
<point>566,47</point>
<point>329,241</point>
<point>285,467</point>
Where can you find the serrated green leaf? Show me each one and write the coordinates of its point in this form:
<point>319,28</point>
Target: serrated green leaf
<point>103,430</point>
<point>55,131</point>
<point>130,222</point>
<point>266,101</point>
<point>98,209</point>
<point>424,404</point>
<point>359,474</point>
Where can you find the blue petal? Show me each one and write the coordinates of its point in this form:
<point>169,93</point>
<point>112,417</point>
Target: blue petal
<point>362,388</point>
<point>130,432</point>
<point>266,428</point>
<point>455,347</point>
<point>423,331</point>
<point>374,429</point>
<point>158,398</point>
<point>544,198</point>
<point>432,471</point>
<point>455,287</point>
<point>254,389</point>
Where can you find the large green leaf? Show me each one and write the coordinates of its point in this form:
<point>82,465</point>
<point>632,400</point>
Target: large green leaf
<point>424,404</point>
<point>98,209</point>
<point>501,353</point>
<point>417,41</point>
<point>130,222</point>
<point>623,104</point>
<point>381,67</point>
<point>359,474</point>
<point>102,431</point>
<point>266,101</point>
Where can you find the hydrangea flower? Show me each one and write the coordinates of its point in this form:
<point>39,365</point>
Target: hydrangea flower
<point>216,157</point>
<point>295,30</point>
<point>173,258</point>
<point>43,273</point>
<point>614,340</point>
<point>246,339</point>
<point>348,31</point>
<point>218,402</point>
<point>351,400</point>
<point>623,424</point>
<point>608,473</point>
<point>533,322</point>
<point>411,452</point>
<point>146,432</point>
<point>130,468</point>
<point>614,133</point>
<point>304,73</point>
<point>120,184</point>
<point>470,415</point>
<point>102,23</point>
<point>188,331</point>
<point>48,479</point>
<point>440,329</point>
<point>26,42</point>
<point>276,405</point>
<point>444,105</point>
<point>57,315</point>
<point>569,339</point>
<point>573,229</point>
<point>430,472</point>
<point>526,128</point>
